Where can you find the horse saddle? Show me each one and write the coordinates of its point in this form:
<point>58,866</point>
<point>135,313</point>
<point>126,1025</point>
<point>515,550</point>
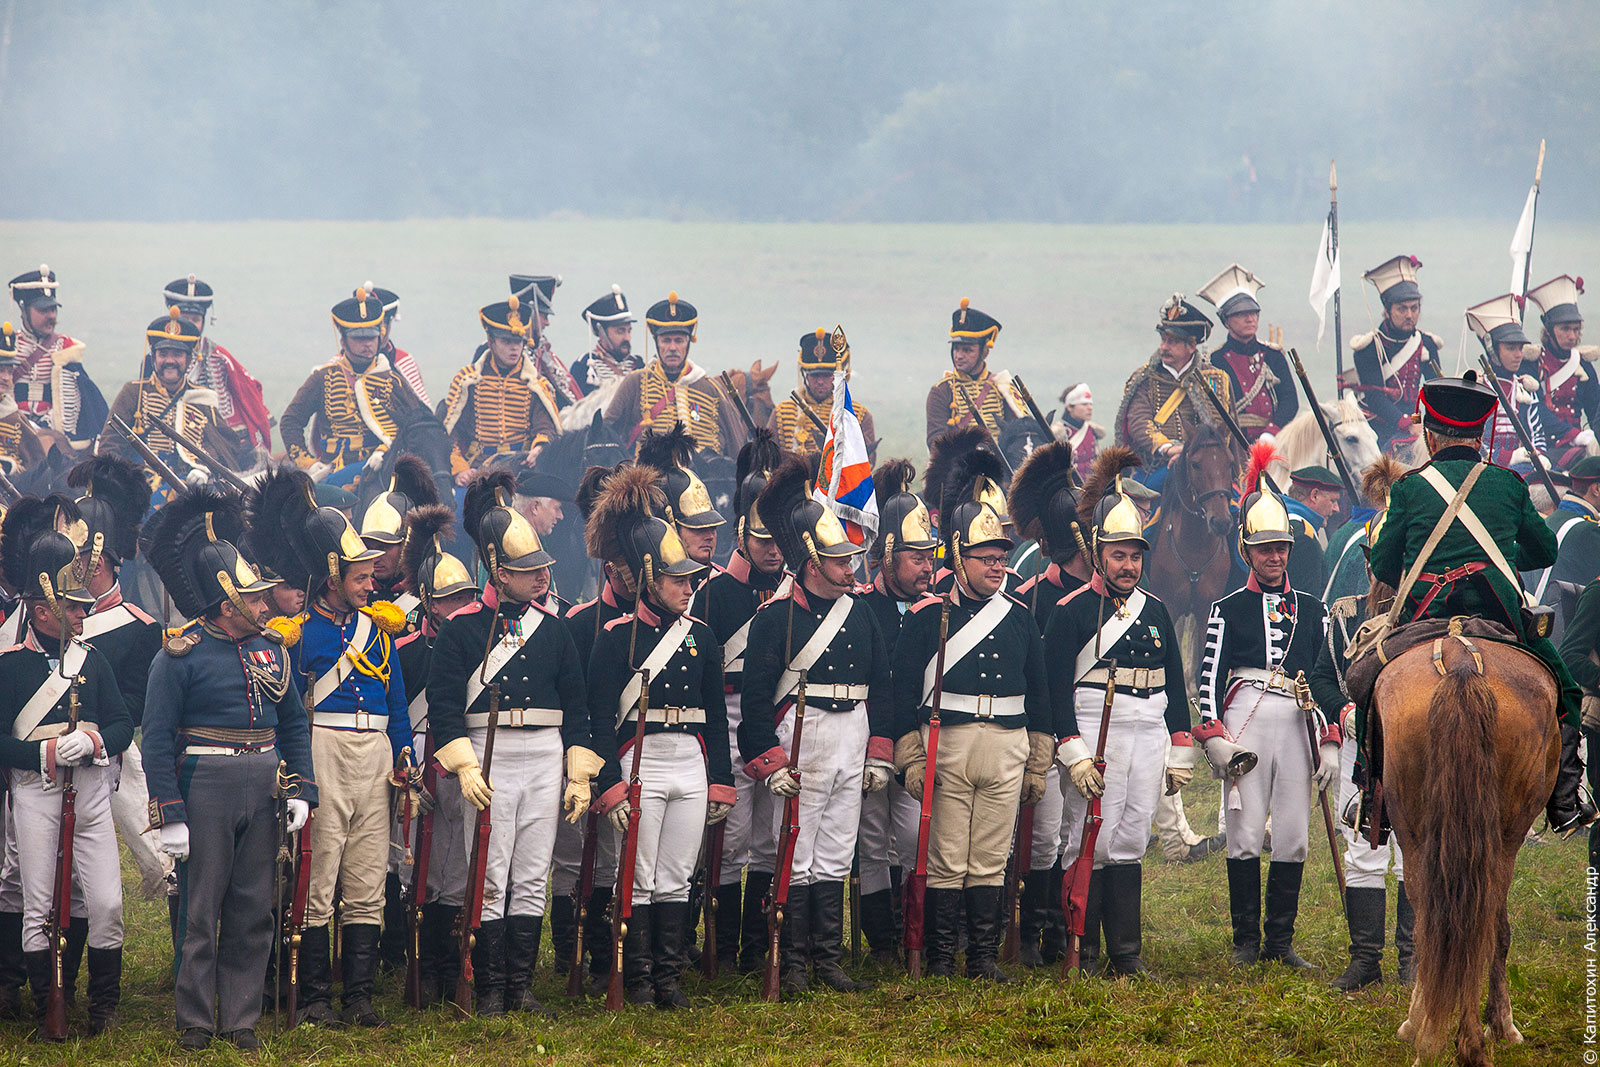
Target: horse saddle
<point>1361,676</point>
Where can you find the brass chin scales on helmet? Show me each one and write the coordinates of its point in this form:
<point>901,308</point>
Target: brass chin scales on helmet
<point>1110,516</point>
<point>504,538</point>
<point>1044,501</point>
<point>430,570</point>
<point>297,540</point>
<point>671,456</point>
<point>191,544</point>
<point>624,531</point>
<point>39,545</point>
<point>903,520</point>
<point>114,496</point>
<point>804,528</point>
<point>1263,518</point>
<point>410,486</point>
<point>757,460</point>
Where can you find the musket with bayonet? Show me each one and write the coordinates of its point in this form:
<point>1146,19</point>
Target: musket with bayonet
<point>1327,431</point>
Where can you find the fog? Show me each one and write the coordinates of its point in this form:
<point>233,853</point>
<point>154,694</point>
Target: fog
<point>1013,110</point>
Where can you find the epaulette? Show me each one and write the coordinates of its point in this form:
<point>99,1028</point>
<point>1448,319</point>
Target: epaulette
<point>288,627</point>
<point>1589,352</point>
<point>1345,607</point>
<point>180,642</point>
<point>1270,345</point>
<point>387,615</point>
<point>1362,340</point>
<point>1438,342</point>
<point>927,600</point>
<point>619,620</point>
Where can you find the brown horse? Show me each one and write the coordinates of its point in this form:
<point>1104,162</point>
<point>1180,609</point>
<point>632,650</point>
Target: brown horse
<point>754,387</point>
<point>1470,750</point>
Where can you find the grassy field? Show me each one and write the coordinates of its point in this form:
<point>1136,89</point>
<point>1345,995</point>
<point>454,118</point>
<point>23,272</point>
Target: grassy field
<point>1202,1011</point>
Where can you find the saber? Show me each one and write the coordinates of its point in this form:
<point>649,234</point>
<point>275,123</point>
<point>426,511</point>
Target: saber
<point>1516,425</point>
<point>1302,692</point>
<point>194,446</point>
<point>916,886</point>
<point>1075,888</point>
<point>821,427</point>
<point>280,864</point>
<point>1334,452</point>
<point>1033,408</point>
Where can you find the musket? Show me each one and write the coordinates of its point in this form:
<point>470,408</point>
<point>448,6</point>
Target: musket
<point>471,917</point>
<point>622,899</point>
<point>294,929</point>
<point>1516,425</point>
<point>977,419</point>
<point>738,401</point>
<point>153,461</point>
<point>1016,870</point>
<point>799,402</point>
<point>778,900</point>
<point>281,861</point>
<point>422,857</point>
<point>1075,887</point>
<point>713,848</point>
<point>1233,429</point>
<point>54,1027</point>
<point>1308,707</point>
<point>1327,432</point>
<point>1033,408</point>
<point>194,446</point>
<point>582,890</point>
<point>916,886</point>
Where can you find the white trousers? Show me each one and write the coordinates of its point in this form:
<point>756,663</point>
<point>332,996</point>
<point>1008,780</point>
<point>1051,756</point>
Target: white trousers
<point>96,863</point>
<point>1364,866</point>
<point>1049,822</point>
<point>741,822</point>
<point>887,836</point>
<point>130,809</point>
<point>1136,747</point>
<point>833,753</point>
<point>672,816</point>
<point>568,862</point>
<point>1280,784</point>
<point>522,818</point>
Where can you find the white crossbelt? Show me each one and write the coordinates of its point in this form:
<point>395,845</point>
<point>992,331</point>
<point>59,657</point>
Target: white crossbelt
<point>982,705</point>
<point>670,716</point>
<point>1276,680</point>
<point>55,685</point>
<point>515,717</point>
<point>1390,367</point>
<point>813,649</point>
<point>733,648</point>
<point>1441,485</point>
<point>350,720</point>
<point>964,641</point>
<point>332,678</point>
<point>517,635</point>
<point>1128,677</point>
<point>666,648</point>
<point>1120,623</point>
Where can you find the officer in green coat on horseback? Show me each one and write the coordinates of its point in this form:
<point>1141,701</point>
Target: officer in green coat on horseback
<point>1472,570</point>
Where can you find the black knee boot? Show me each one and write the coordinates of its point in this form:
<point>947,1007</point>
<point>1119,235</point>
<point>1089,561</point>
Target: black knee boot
<point>1569,809</point>
<point>489,969</point>
<point>316,978</point>
<point>1030,927</point>
<point>794,941</point>
<point>729,919</point>
<point>523,933</point>
<point>941,913</point>
<point>1283,904</point>
<point>441,951</point>
<point>38,968</point>
<point>392,945</point>
<point>1404,921</point>
<point>637,945</point>
<point>1365,911</point>
<point>878,923</point>
<point>105,988</point>
<point>986,905</point>
<point>72,958</point>
<point>753,921</point>
<point>1244,907</point>
<point>827,938</point>
<point>597,937</point>
<point>1053,940</point>
<point>1122,917</point>
<point>13,974</point>
<point>358,965</point>
<point>563,932</point>
<point>669,932</point>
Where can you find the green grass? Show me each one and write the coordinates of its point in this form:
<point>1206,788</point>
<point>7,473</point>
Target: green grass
<point>1202,1011</point>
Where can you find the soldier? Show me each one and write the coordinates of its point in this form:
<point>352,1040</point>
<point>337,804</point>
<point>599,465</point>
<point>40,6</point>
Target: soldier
<point>1313,498</point>
<point>1159,406</point>
<point>1394,359</point>
<point>354,403</point>
<point>903,555</point>
<point>819,642</point>
<point>969,447</point>
<point>401,360</point>
<point>1496,326</point>
<point>1112,624</point>
<point>223,712</point>
<point>52,387</point>
<point>998,730</point>
<point>683,765</point>
<point>60,710</point>
<point>539,291</point>
<point>1576,523</point>
<point>728,602</point>
<point>165,391</point>
<point>239,400</point>
<point>673,389</point>
<point>10,417</point>
<point>508,643</point>
<point>1257,371</point>
<point>972,337</point>
<point>1580,649</point>
<point>821,355</point>
<point>670,455</point>
<point>1469,574</point>
<point>499,402</point>
<point>1258,639</point>
<point>1569,395</point>
<point>344,658</point>
<point>1076,426</point>
<point>383,527</point>
<point>612,358</point>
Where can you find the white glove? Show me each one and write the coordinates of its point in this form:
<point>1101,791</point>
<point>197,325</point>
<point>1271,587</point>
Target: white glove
<point>74,748</point>
<point>175,840</point>
<point>1088,781</point>
<point>784,782</point>
<point>375,460</point>
<point>618,816</point>
<point>197,476</point>
<point>299,812</point>
<point>1519,456</point>
<point>716,811</point>
<point>1328,771</point>
<point>1585,438</point>
<point>319,470</point>
<point>875,776</point>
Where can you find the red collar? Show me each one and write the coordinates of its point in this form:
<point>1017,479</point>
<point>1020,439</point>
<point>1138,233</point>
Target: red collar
<point>1254,586</point>
<point>645,614</point>
<point>111,599</point>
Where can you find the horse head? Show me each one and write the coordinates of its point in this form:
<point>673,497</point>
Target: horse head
<point>755,389</point>
<point>1019,437</point>
<point>1202,481</point>
<point>1357,440</point>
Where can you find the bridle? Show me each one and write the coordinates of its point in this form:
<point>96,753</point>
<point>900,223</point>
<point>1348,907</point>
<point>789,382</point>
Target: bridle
<point>1195,506</point>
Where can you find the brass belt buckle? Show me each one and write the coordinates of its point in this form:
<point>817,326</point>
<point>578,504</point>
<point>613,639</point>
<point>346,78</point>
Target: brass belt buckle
<point>672,716</point>
<point>985,708</point>
<point>1141,678</point>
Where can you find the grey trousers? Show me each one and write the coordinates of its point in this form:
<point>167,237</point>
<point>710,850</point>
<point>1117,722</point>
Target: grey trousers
<point>226,890</point>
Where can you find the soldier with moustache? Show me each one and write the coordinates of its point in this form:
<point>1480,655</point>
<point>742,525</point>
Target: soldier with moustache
<point>728,603</point>
<point>821,356</point>
<point>612,358</point>
<point>1394,359</point>
<point>670,455</point>
<point>972,337</point>
<point>1569,395</point>
<point>239,400</point>
<point>817,641</point>
<point>342,653</point>
<point>1109,625</point>
<point>508,641</point>
<point>1258,640</point>
<point>672,388</point>
<point>10,415</point>
<point>52,387</point>
<point>998,731</point>
<point>60,709</point>
<point>903,557</point>
<point>1257,371</point>
<point>223,716</point>
<point>1495,324</point>
<point>684,764</point>
<point>500,403</point>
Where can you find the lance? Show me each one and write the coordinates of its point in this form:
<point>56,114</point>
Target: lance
<point>1338,322</point>
<point>1533,221</point>
<point>1327,433</point>
<point>1516,425</point>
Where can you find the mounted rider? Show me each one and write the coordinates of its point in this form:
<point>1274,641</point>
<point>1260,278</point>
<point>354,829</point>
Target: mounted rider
<point>52,387</point>
<point>398,358</point>
<point>499,403</point>
<point>1569,391</point>
<point>1260,374</point>
<point>1392,361</point>
<point>672,388</point>
<point>612,358</point>
<point>821,355</point>
<point>992,393</point>
<point>1497,328</point>
<point>539,292</point>
<point>239,400</point>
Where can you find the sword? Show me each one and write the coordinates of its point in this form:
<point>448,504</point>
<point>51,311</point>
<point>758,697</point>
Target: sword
<point>821,427</point>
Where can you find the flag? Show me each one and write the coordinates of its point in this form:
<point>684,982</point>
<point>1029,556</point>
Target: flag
<point>1522,244</point>
<point>844,480</point>
<point>1324,277</point>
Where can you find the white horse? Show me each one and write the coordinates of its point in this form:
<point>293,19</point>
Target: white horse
<point>1300,443</point>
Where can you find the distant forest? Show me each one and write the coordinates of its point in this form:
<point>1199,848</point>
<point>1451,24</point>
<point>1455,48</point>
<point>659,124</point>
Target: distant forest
<point>945,110</point>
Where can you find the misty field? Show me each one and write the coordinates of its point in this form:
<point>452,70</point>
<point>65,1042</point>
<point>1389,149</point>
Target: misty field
<point>1078,303</point>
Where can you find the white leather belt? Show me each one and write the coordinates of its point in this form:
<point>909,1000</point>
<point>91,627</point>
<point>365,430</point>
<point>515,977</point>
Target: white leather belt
<point>1128,677</point>
<point>350,720</point>
<point>517,717</point>
<point>56,729</point>
<point>224,750</point>
<point>1276,681</point>
<point>983,706</point>
<point>670,716</point>
<point>834,691</point>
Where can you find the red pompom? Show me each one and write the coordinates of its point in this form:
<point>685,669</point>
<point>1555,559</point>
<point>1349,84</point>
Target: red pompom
<point>1522,302</point>
<point>1262,453</point>
<point>1415,262</point>
<point>1579,281</point>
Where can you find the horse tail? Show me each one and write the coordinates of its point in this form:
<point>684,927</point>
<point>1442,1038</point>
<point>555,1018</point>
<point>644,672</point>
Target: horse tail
<point>1456,830</point>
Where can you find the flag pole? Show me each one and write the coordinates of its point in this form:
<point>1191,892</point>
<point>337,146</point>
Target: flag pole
<point>1333,240</point>
<point>1533,222</point>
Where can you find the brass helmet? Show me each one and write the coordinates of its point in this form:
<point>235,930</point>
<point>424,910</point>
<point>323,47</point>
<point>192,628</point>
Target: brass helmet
<point>504,538</point>
<point>1263,518</point>
<point>430,570</point>
<point>972,513</point>
<point>671,456</point>
<point>299,541</point>
<point>972,451</point>
<point>191,544</point>
<point>1044,501</point>
<point>758,458</point>
<point>624,531</point>
<point>411,485</point>
<point>113,500</point>
<point>903,520</point>
<point>804,528</point>
<point>1104,509</point>
<point>39,543</point>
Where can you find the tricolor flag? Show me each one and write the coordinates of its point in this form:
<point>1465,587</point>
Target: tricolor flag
<point>844,481</point>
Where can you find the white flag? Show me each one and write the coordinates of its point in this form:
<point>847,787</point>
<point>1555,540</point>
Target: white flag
<point>1324,278</point>
<point>1522,243</point>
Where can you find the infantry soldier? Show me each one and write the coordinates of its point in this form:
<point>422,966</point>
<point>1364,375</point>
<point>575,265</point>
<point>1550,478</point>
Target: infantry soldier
<point>1569,395</point>
<point>223,712</point>
<point>670,454</point>
<point>52,386</point>
<point>60,711</point>
<point>1160,407</point>
<point>539,291</point>
<point>239,400</point>
<point>821,356</point>
<point>972,336</point>
<point>1469,574</point>
<point>1496,326</point>
<point>354,404</point>
<point>819,643</point>
<point>401,360</point>
<point>1258,639</point>
<point>360,724</point>
<point>383,527</point>
<point>1257,371</point>
<point>509,643</point>
<point>684,767</point>
<point>969,448</point>
<point>612,358</point>
<point>499,402</point>
<point>1393,360</point>
<point>672,389</point>
<point>998,729</point>
<point>1313,498</point>
<point>1112,624</point>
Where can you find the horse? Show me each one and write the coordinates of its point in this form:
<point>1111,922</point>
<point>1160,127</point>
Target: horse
<point>1301,444</point>
<point>1470,749</point>
<point>754,387</point>
<point>1019,436</point>
<point>1196,535</point>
